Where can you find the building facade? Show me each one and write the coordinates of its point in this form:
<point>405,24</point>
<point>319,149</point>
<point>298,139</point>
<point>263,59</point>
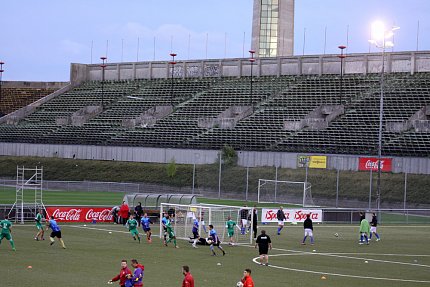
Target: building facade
<point>273,28</point>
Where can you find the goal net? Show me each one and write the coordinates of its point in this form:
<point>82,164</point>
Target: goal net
<point>183,216</point>
<point>278,191</point>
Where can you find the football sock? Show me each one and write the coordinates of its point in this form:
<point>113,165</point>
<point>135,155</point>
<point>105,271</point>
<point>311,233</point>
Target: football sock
<point>12,243</point>
<point>312,240</point>
<point>304,238</point>
<point>174,241</point>
<point>361,238</point>
<point>377,236</point>
<point>367,239</point>
<point>371,233</point>
<point>62,243</point>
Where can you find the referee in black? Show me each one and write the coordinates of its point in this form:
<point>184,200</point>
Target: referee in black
<point>264,244</point>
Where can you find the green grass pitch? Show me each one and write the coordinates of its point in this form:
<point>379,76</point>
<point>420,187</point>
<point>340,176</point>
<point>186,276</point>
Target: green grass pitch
<point>93,255</point>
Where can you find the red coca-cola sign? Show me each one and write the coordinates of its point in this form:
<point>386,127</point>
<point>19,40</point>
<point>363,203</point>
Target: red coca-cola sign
<point>371,163</point>
<point>80,214</point>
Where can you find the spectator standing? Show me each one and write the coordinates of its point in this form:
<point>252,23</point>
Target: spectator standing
<point>138,212</point>
<point>124,211</point>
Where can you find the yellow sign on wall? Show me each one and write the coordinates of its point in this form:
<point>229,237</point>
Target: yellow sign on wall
<point>313,161</point>
<point>318,161</point>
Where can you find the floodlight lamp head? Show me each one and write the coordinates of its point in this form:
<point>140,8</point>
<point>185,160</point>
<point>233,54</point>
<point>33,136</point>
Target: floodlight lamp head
<point>378,30</point>
<point>103,58</point>
<point>173,54</point>
<point>342,47</point>
<point>389,44</point>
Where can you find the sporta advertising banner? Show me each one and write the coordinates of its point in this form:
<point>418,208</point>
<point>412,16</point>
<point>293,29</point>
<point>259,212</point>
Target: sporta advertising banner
<point>291,215</point>
<point>80,214</point>
<point>371,163</point>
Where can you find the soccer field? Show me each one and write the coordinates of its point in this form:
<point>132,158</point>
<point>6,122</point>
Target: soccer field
<point>93,255</point>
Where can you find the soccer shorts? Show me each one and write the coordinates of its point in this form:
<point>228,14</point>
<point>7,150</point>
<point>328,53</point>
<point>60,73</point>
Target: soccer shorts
<point>244,222</point>
<point>5,235</point>
<point>134,232</point>
<point>308,232</point>
<point>263,250</point>
<point>146,229</point>
<point>56,234</point>
<point>39,226</point>
<point>171,234</point>
<point>230,232</point>
<point>372,229</point>
<point>195,234</point>
<point>280,222</point>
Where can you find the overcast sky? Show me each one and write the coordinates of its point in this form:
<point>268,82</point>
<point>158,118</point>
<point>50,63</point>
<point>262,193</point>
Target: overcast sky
<point>39,39</point>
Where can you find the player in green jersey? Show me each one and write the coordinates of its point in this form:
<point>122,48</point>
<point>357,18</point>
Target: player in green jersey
<point>364,231</point>
<point>171,233</point>
<point>132,227</point>
<point>40,231</point>
<point>230,224</point>
<point>5,226</point>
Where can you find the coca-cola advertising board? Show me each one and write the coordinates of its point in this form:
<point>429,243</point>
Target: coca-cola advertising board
<point>80,214</point>
<point>371,163</point>
<point>291,215</point>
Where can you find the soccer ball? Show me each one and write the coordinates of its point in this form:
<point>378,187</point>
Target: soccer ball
<point>209,241</point>
<point>239,284</point>
<point>336,235</point>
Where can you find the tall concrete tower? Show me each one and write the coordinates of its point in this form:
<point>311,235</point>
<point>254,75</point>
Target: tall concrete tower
<point>273,28</point>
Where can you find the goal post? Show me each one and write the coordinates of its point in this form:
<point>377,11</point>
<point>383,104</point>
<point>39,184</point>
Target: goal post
<point>183,216</point>
<point>282,191</point>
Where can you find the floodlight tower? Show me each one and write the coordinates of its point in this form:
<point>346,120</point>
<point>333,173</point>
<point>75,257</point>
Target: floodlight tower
<point>173,63</point>
<point>103,66</point>
<point>252,60</point>
<point>1,76</point>
<point>381,38</point>
<point>341,56</point>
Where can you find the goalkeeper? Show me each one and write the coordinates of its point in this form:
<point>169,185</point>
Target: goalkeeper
<point>230,224</point>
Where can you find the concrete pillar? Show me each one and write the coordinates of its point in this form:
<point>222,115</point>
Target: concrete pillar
<point>150,70</point>
<point>279,70</point>
<point>134,71</point>
<point>202,74</point>
<point>284,27</point>
<point>118,72</point>
<point>321,67</point>
<point>413,63</point>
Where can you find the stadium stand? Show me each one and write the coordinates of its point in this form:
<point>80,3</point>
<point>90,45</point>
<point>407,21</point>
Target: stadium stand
<point>275,102</point>
<point>16,98</point>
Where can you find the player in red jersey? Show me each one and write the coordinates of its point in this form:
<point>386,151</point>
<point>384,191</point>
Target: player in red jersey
<point>247,279</point>
<point>123,274</point>
<point>188,279</point>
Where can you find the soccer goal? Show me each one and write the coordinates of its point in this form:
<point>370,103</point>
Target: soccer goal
<point>278,191</point>
<point>183,217</point>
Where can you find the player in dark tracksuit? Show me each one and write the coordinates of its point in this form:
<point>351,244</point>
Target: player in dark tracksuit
<point>280,215</point>
<point>307,225</point>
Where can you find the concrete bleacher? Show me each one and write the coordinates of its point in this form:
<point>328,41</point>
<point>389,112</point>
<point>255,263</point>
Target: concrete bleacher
<point>275,101</point>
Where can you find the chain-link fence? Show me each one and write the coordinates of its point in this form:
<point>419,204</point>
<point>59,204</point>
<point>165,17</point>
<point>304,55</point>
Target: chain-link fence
<point>327,187</point>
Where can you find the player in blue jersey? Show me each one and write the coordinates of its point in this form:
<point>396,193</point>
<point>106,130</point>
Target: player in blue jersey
<point>146,221</point>
<point>195,231</point>
<point>214,240</point>
<point>56,231</point>
<point>164,221</point>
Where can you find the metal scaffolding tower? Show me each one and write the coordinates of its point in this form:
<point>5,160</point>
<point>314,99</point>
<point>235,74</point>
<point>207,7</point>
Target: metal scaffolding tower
<point>28,180</point>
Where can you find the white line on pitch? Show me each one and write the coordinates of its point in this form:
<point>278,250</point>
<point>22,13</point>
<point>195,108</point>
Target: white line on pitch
<point>342,275</point>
